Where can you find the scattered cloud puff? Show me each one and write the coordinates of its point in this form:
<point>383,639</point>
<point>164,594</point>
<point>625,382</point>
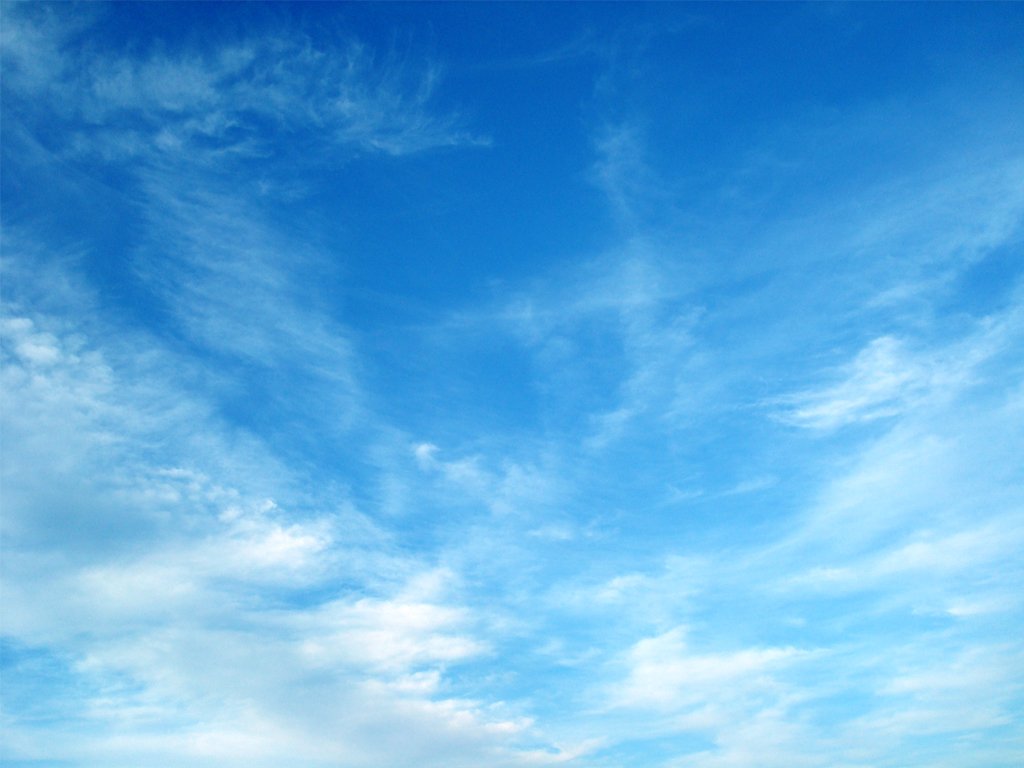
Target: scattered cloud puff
<point>664,675</point>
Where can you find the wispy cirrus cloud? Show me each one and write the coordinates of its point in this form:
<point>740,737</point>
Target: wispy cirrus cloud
<point>209,104</point>
<point>157,540</point>
<point>178,512</point>
<point>885,378</point>
<point>876,384</point>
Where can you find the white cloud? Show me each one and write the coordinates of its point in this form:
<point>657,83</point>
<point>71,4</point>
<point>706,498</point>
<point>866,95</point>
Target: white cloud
<point>509,489</point>
<point>887,379</point>
<point>665,675</point>
<point>201,106</point>
<point>185,579</point>
<point>874,385</point>
<point>392,636</point>
<point>621,171</point>
<point>925,567</point>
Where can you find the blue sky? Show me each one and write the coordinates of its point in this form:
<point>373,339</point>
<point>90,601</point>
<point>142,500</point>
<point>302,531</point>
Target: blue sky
<point>513,385</point>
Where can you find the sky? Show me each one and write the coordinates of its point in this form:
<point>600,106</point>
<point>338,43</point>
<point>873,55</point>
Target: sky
<point>598,385</point>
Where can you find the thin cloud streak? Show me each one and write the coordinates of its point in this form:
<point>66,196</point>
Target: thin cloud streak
<point>208,105</point>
